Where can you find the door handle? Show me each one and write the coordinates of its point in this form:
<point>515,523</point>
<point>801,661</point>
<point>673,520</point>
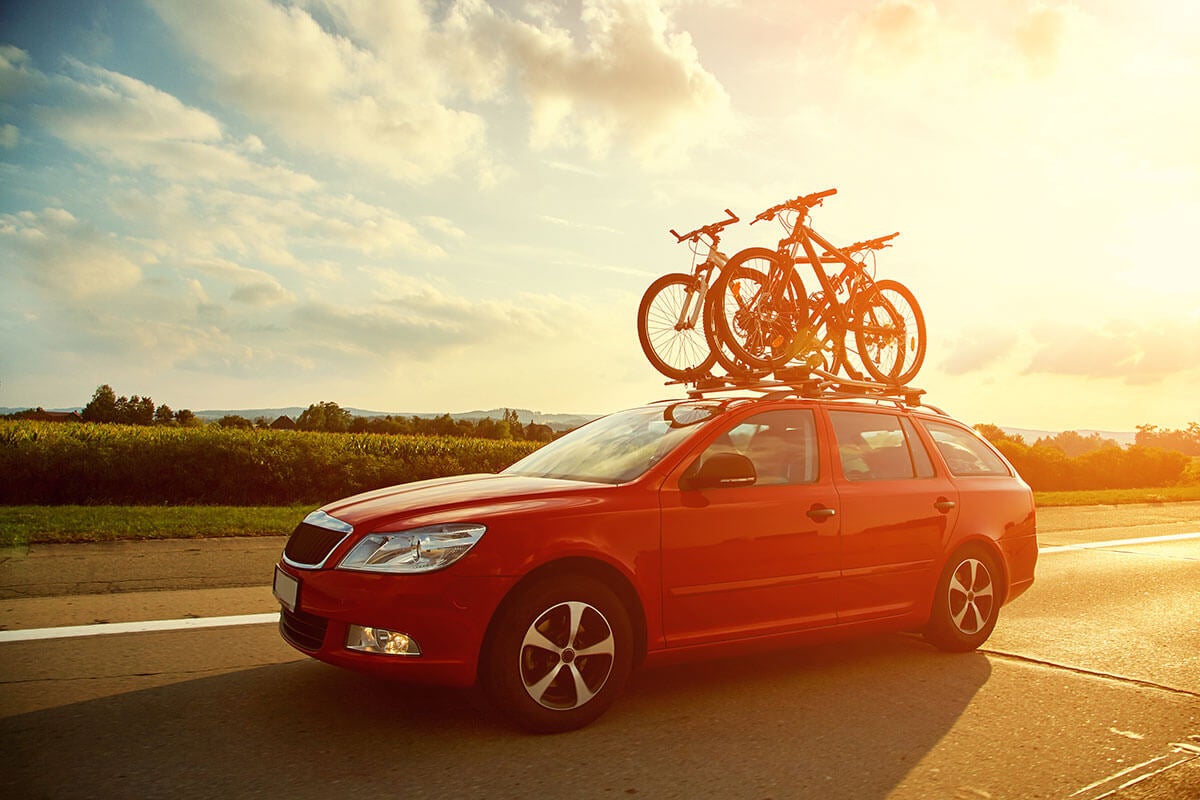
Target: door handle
<point>821,513</point>
<point>943,505</point>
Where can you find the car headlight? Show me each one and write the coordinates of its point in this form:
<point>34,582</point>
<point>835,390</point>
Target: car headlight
<point>417,550</point>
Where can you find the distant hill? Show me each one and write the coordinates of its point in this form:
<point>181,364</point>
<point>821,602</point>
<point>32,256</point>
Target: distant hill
<point>1122,438</point>
<point>559,422</point>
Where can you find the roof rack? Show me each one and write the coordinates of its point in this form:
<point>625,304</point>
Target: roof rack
<point>809,383</point>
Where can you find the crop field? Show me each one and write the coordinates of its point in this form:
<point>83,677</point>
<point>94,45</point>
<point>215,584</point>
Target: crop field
<point>47,463</point>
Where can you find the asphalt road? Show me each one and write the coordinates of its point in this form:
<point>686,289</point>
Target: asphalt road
<point>1090,682</point>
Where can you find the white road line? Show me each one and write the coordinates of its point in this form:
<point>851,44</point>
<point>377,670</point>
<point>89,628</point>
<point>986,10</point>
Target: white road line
<point>107,628</point>
<point>1174,537</point>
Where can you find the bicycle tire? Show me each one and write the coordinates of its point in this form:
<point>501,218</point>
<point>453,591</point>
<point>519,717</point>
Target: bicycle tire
<point>724,357</point>
<point>906,305</point>
<point>680,353</point>
<point>759,325</point>
<point>889,330</point>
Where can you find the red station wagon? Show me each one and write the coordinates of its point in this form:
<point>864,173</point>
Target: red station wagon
<point>677,530</point>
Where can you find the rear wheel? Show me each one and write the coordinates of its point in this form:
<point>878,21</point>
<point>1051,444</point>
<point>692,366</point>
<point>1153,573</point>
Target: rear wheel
<point>967,601</point>
<point>881,335</point>
<point>760,309</point>
<point>560,652</point>
<point>671,328</point>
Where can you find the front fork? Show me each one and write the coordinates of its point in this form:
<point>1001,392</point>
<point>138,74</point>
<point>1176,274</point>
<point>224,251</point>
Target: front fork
<point>693,303</point>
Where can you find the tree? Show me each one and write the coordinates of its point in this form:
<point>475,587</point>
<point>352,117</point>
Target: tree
<point>536,432</point>
<point>140,411</point>
<point>234,421</point>
<point>1075,444</point>
<point>187,418</point>
<point>514,424</point>
<point>103,406</point>
<point>163,415</point>
<point>324,416</point>
<point>1184,441</point>
<point>995,434</point>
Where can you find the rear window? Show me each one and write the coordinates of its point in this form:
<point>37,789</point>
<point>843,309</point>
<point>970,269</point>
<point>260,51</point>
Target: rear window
<point>965,453</point>
<point>878,447</point>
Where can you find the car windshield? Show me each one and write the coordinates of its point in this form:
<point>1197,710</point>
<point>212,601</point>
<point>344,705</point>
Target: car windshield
<point>619,447</point>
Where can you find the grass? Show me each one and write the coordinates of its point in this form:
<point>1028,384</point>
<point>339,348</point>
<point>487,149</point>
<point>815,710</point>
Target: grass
<point>1115,497</point>
<point>25,525</point>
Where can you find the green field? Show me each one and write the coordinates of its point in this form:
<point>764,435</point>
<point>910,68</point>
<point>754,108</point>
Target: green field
<point>25,525</point>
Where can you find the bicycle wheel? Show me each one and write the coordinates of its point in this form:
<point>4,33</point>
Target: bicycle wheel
<point>670,328</point>
<point>889,330</point>
<point>724,356</point>
<point>913,320</point>
<point>760,309</point>
<point>822,348</point>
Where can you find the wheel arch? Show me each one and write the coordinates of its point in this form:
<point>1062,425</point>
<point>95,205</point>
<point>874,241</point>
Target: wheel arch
<point>607,574</point>
<point>992,547</point>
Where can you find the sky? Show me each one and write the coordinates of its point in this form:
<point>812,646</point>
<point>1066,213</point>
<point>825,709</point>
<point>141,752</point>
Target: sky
<point>420,206</point>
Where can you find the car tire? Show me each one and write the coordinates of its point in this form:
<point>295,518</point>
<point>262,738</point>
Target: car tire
<point>559,653</point>
<point>967,601</point>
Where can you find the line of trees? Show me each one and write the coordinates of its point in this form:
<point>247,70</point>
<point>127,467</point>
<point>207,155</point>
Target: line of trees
<point>1186,441</point>
<point>106,407</point>
<point>1071,461</point>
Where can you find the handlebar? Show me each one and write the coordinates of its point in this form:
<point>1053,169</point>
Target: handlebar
<point>801,203</point>
<point>712,230</point>
<point>878,243</point>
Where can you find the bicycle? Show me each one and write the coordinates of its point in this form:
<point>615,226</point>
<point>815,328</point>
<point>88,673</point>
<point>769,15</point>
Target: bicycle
<point>670,321</point>
<point>761,313</point>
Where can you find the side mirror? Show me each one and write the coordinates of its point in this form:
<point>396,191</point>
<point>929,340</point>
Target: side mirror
<point>722,471</point>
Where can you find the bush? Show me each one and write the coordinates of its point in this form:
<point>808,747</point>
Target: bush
<point>1045,467</point>
<point>46,463</point>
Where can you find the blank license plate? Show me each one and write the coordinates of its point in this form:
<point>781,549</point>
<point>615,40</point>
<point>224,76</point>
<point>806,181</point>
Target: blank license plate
<point>286,588</point>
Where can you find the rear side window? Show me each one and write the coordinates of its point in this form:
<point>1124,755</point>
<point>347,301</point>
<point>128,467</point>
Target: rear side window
<point>878,447</point>
<point>964,453</point>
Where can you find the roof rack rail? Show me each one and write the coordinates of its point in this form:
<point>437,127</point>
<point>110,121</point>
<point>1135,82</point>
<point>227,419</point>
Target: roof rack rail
<point>814,383</point>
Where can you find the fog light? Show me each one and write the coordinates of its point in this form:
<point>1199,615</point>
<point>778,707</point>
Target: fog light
<point>380,640</point>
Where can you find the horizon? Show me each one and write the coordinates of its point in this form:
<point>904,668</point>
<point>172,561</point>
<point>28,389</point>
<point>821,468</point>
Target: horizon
<point>536,414</point>
<point>407,204</point>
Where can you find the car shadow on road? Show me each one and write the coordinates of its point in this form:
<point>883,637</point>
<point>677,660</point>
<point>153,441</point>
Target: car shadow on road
<point>845,720</point>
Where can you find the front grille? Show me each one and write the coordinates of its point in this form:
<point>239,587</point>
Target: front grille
<point>310,545</point>
<point>306,631</point>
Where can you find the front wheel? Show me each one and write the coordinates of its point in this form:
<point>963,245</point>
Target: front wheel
<point>889,330</point>
<point>671,328</point>
<point>967,601</point>
<point>560,652</point>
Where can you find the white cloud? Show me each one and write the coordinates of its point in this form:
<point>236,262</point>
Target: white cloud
<point>977,350</point>
<point>124,120</point>
<point>633,82</point>
<point>326,92</point>
<point>1135,352</point>
<point>68,258</point>
<point>394,88</point>
<point>17,75</point>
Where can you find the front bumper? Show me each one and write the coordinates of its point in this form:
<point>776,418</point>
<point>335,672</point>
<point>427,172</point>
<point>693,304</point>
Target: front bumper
<point>447,615</point>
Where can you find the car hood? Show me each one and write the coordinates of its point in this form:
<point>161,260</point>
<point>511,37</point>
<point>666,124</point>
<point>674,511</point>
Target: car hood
<point>448,499</point>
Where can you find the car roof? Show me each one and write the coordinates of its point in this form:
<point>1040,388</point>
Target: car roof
<point>812,386</point>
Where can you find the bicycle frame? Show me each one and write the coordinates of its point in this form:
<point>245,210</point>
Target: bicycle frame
<point>802,236</point>
<point>689,312</point>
